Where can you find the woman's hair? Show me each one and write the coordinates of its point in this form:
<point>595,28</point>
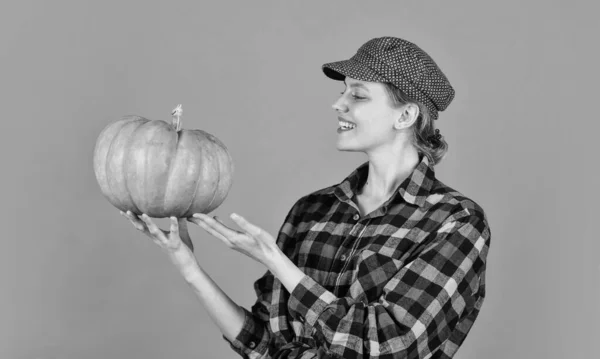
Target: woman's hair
<point>423,127</point>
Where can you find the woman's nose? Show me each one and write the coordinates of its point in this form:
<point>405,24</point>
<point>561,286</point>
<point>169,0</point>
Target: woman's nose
<point>339,105</point>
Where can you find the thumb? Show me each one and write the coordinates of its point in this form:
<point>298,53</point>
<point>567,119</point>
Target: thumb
<point>174,226</point>
<point>180,229</point>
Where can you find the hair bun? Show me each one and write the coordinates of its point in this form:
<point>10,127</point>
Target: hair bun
<point>434,139</point>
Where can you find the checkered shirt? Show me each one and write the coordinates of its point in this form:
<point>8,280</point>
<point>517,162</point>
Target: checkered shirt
<point>405,281</point>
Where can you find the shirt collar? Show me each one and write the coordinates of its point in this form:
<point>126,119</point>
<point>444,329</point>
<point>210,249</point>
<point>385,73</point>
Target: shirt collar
<point>414,189</point>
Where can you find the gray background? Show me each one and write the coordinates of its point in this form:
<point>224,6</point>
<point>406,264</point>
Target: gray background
<point>78,281</point>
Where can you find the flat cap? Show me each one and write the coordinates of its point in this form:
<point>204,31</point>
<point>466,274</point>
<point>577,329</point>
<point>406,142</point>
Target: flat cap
<point>401,63</point>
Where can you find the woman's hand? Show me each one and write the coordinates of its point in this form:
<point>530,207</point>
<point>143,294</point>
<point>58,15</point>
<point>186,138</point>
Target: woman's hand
<point>171,241</point>
<point>256,244</point>
<point>252,241</point>
<point>167,240</point>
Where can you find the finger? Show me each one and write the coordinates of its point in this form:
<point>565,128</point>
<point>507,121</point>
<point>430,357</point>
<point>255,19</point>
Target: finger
<point>139,225</point>
<point>218,220</point>
<point>183,235</point>
<point>152,227</point>
<point>211,230</point>
<point>217,225</point>
<point>174,226</point>
<point>248,227</point>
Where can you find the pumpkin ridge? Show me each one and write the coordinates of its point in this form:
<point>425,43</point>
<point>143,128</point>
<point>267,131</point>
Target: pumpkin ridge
<point>143,183</point>
<point>198,183</point>
<point>198,178</point>
<point>155,131</point>
<point>108,153</point>
<point>208,137</point>
<point>230,168</point>
<point>172,158</point>
<point>128,152</point>
<point>100,171</point>
<point>106,163</point>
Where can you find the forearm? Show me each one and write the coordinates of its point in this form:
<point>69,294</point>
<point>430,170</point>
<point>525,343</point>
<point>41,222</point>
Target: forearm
<point>285,270</point>
<point>223,311</point>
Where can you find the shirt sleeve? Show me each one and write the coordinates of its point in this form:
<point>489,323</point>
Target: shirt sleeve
<point>253,339</point>
<point>420,304</point>
<point>255,336</point>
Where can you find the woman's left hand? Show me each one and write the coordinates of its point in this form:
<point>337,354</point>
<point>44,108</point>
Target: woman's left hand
<point>252,241</point>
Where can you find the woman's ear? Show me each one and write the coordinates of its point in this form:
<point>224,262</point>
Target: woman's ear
<point>412,113</point>
<point>408,116</point>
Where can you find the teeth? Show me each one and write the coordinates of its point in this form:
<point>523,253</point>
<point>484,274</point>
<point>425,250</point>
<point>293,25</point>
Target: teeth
<point>346,125</point>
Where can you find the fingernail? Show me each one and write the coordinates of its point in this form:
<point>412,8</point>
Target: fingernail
<point>234,216</point>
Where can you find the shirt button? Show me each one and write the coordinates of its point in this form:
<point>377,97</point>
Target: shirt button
<point>343,257</point>
<point>356,217</point>
<point>252,345</point>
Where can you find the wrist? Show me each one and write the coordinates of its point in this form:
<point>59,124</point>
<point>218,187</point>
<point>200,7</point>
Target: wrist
<point>275,261</point>
<point>285,270</point>
<point>185,262</point>
<point>192,273</point>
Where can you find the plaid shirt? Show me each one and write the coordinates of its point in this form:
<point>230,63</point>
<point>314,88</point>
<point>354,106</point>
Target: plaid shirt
<point>405,281</point>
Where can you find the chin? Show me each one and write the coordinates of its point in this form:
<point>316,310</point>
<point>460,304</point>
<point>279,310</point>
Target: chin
<point>347,148</point>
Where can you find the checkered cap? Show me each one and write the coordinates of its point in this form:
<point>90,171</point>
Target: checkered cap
<point>402,63</point>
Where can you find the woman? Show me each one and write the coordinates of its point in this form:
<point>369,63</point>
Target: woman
<point>389,263</point>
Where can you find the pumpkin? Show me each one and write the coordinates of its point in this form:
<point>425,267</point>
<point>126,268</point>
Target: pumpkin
<point>157,168</point>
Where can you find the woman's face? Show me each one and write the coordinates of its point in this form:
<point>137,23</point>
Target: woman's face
<point>367,106</point>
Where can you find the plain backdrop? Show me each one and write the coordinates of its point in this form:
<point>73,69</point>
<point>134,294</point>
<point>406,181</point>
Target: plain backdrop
<point>79,282</point>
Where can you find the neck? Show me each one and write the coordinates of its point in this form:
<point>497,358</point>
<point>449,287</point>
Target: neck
<point>387,172</point>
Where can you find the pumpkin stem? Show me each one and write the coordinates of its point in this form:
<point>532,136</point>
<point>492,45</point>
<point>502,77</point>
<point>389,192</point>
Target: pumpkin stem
<point>176,113</point>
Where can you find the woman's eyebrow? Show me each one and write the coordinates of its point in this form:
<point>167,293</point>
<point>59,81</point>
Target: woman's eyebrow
<point>357,85</point>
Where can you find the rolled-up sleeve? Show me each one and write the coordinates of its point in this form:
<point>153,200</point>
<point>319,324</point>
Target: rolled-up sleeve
<point>420,305</point>
<point>253,339</point>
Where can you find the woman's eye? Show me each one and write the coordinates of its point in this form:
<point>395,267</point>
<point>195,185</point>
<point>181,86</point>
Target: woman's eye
<point>354,96</point>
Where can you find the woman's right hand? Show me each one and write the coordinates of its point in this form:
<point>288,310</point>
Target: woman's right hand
<point>171,241</point>
<point>167,240</point>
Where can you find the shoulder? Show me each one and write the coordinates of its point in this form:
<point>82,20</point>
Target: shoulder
<point>309,207</point>
<point>315,198</point>
<point>457,204</point>
<point>300,217</point>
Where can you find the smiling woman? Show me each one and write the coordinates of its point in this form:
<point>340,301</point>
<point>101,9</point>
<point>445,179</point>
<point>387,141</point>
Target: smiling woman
<point>388,263</point>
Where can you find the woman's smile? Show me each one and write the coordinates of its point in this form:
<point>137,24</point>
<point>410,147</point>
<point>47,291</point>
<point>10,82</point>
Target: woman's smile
<point>345,126</point>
